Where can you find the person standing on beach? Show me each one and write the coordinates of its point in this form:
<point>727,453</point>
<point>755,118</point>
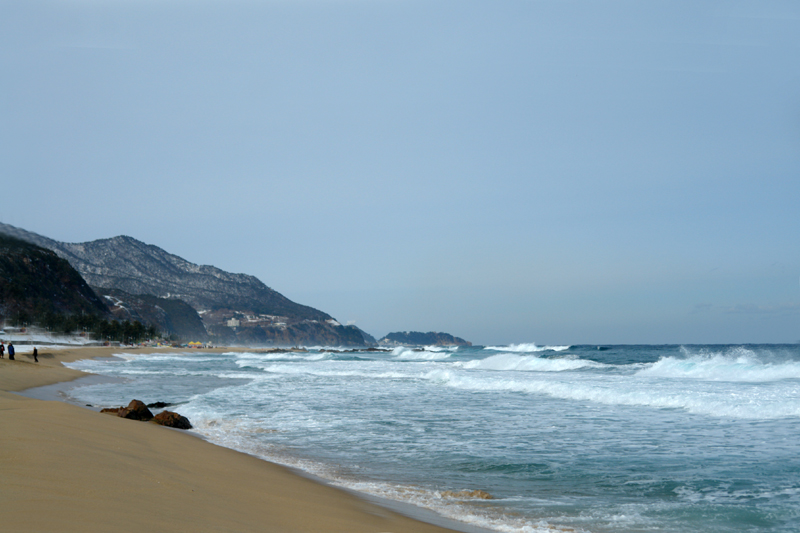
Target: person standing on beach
<point>35,355</point>
<point>10,352</point>
<point>2,349</point>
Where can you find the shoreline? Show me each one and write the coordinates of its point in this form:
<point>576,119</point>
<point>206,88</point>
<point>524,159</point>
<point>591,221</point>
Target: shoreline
<point>133,476</point>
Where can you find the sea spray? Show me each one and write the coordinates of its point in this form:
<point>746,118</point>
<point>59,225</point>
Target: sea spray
<point>529,363</point>
<point>527,348</point>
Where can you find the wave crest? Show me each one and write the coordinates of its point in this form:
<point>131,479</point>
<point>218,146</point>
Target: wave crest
<point>527,348</point>
<point>408,354</point>
<point>735,364</point>
<point>528,363</point>
<point>631,393</point>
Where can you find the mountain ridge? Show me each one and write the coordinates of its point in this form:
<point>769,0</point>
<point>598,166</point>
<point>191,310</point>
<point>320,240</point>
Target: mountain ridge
<point>35,281</point>
<point>128,264</point>
<point>221,298</point>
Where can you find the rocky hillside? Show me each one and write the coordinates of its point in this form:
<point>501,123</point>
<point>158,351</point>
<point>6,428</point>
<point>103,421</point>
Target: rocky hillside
<point>138,268</point>
<point>170,316</point>
<point>234,308</point>
<point>303,333</point>
<point>416,338</point>
<point>35,282</point>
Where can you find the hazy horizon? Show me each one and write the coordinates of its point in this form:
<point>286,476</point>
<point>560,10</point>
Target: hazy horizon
<point>509,172</point>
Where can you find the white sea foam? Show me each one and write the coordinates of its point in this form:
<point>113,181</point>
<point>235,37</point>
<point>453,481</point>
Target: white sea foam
<point>441,348</point>
<point>331,372</point>
<point>183,359</point>
<point>527,348</point>
<point>408,354</point>
<point>528,363</point>
<point>717,403</point>
<point>259,359</point>
<point>455,509</point>
<point>383,425</point>
<point>737,364</point>
<point>238,434</point>
<point>323,348</point>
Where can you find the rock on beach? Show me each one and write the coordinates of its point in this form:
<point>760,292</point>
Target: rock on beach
<point>172,419</point>
<point>136,410</point>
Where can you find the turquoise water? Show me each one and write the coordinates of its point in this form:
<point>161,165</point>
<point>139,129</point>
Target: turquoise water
<point>600,439</point>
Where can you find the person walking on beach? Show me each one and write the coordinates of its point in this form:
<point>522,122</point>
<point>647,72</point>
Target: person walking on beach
<point>2,349</point>
<point>35,355</point>
<point>11,352</point>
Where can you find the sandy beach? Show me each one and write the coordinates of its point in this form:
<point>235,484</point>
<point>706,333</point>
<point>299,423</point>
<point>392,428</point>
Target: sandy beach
<point>66,468</point>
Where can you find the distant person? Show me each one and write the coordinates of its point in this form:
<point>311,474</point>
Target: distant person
<point>35,355</point>
<point>2,349</point>
<point>10,352</point>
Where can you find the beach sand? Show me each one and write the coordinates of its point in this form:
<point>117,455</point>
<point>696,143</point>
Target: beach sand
<point>66,468</point>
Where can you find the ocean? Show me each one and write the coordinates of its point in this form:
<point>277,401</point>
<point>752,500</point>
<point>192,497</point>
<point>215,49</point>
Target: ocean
<point>587,438</point>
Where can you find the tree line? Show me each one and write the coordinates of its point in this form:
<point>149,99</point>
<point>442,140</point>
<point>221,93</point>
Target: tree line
<point>101,329</point>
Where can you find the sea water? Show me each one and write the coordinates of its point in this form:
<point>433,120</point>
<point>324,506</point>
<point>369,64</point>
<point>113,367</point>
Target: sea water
<point>593,438</point>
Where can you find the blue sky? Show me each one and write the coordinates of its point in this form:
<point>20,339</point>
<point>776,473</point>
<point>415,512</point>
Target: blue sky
<point>506,171</point>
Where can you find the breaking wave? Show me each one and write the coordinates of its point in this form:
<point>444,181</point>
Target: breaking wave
<point>527,348</point>
<point>528,363</point>
<point>258,359</point>
<point>408,354</point>
<point>441,348</point>
<point>736,364</point>
<point>628,392</point>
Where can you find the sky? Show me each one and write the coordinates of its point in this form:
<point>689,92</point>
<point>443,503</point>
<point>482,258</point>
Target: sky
<point>532,171</point>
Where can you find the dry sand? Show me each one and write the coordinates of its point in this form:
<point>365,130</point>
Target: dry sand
<point>65,468</point>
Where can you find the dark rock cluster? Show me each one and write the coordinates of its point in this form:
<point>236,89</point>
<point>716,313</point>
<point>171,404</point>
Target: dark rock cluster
<point>137,410</point>
<point>172,420</point>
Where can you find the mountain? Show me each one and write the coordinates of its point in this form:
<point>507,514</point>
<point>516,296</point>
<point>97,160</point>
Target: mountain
<point>416,338</point>
<point>369,340</point>
<point>228,304</point>
<point>303,333</point>
<point>137,268</point>
<point>35,282</point>
<point>170,316</point>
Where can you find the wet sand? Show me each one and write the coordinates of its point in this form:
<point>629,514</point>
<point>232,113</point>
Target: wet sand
<point>66,468</point>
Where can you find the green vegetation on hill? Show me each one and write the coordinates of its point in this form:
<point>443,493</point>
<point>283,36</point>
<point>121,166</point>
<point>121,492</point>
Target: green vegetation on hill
<point>173,317</point>
<point>102,329</point>
<point>36,282</point>
<point>39,288</point>
<point>150,285</point>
